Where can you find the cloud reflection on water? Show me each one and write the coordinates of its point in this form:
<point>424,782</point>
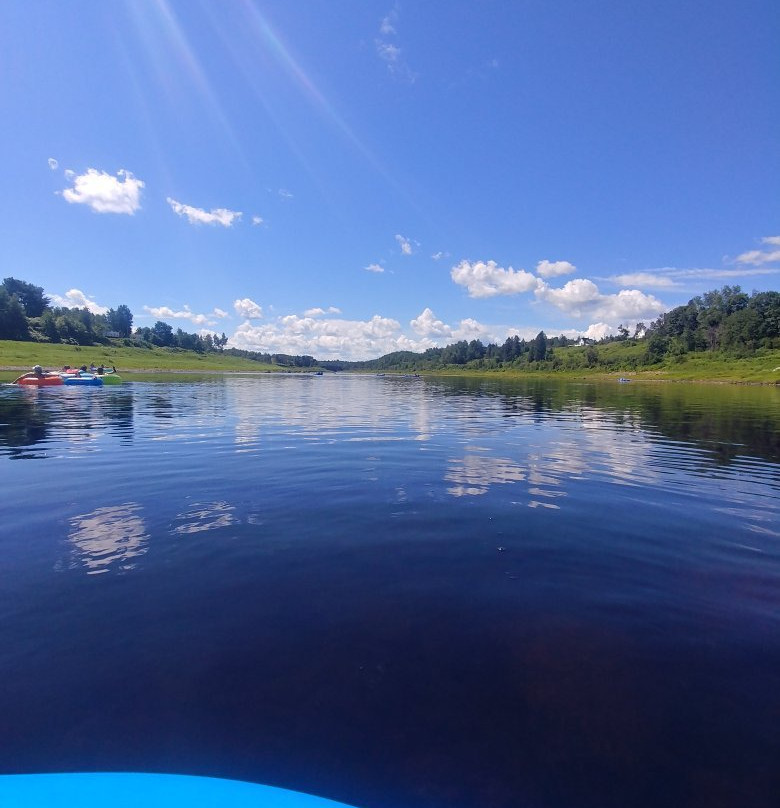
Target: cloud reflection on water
<point>205,516</point>
<point>108,537</point>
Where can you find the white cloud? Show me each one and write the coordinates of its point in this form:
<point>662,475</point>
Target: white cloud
<point>487,279</point>
<point>103,192</point>
<point>571,297</point>
<point>53,164</point>
<point>435,332</point>
<point>220,313</point>
<point>387,26</point>
<point>247,309</point>
<point>374,268</point>
<point>336,338</point>
<point>166,313</point>
<point>256,220</point>
<point>582,297</point>
<point>758,257</point>
<point>716,274</point>
<point>325,338</point>
<point>669,277</point>
<point>285,194</point>
<point>629,304</point>
<point>552,269</point>
<point>76,299</point>
<point>388,51</point>
<point>646,279</point>
<point>598,331</point>
<point>404,244</point>
<point>426,325</point>
<point>318,311</point>
<point>221,216</point>
<point>437,256</point>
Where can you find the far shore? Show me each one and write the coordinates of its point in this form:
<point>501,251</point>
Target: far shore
<point>761,368</point>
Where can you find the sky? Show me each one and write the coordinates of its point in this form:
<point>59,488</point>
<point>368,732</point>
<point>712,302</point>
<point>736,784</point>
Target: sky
<point>349,178</point>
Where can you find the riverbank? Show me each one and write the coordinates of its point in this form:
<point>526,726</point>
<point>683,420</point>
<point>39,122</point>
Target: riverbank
<point>17,357</point>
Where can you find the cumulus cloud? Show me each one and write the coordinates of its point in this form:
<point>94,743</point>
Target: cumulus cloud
<point>629,304</point>
<point>552,269</point>
<point>374,268</point>
<point>256,220</point>
<point>435,332</point>
<point>103,192</point>
<point>53,164</point>
<point>76,299</point>
<point>220,313</point>
<point>487,279</point>
<point>404,244</point>
<point>759,257</point>
<point>337,338</point>
<point>571,297</point>
<point>326,338</point>
<point>646,279</point>
<point>582,297</point>
<point>597,331</point>
<point>167,313</point>
<point>247,309</point>
<point>221,216</point>
<point>427,325</point>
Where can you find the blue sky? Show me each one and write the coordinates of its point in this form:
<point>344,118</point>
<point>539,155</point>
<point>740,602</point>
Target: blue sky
<point>349,178</point>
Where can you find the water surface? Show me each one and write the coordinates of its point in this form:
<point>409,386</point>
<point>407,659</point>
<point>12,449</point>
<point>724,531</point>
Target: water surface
<point>397,591</point>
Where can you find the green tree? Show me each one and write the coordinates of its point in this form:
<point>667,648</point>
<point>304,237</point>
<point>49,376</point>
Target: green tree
<point>162,334</point>
<point>13,323</point>
<point>120,320</point>
<point>33,301</point>
<point>539,347</point>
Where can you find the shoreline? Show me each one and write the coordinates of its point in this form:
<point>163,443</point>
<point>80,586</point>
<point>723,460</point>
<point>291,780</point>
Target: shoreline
<point>648,377</point>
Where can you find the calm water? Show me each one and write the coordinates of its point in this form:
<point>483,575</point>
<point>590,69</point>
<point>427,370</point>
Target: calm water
<point>397,592</point>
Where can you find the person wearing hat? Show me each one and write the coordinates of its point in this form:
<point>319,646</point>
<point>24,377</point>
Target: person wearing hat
<point>38,370</point>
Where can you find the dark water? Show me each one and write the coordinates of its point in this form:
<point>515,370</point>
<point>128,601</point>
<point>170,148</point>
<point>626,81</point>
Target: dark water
<point>396,592</point>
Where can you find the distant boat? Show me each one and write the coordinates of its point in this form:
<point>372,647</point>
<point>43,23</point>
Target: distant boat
<point>622,379</point>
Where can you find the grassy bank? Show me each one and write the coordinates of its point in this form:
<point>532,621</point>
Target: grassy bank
<point>613,360</point>
<point>21,356</point>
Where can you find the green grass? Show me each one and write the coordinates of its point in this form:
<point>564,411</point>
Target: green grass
<point>614,359</point>
<point>21,356</point>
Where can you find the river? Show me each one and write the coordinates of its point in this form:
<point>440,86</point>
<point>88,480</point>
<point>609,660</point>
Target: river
<point>397,592</point>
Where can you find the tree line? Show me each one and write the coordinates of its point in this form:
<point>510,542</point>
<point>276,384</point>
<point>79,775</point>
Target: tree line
<point>26,314</point>
<point>726,320</point>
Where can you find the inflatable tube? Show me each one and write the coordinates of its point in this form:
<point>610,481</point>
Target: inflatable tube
<point>84,380</point>
<point>120,790</point>
<point>47,380</point>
